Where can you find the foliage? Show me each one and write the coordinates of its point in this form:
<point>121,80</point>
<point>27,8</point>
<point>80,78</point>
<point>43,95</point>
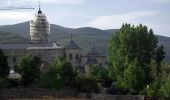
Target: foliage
<point>154,88</point>
<point>60,74</point>
<point>87,84</point>
<point>4,83</point>
<point>160,55</point>
<point>133,77</point>
<point>29,68</point>
<point>4,68</point>
<point>50,79</point>
<point>130,52</point>
<point>64,70</point>
<point>165,88</point>
<point>99,72</point>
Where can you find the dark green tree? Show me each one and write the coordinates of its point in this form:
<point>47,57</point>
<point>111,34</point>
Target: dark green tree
<point>29,68</point>
<point>128,44</point>
<point>133,77</point>
<point>160,55</point>
<point>165,88</point>
<point>99,72</point>
<point>50,79</point>
<point>64,70</point>
<point>4,68</point>
<point>60,74</point>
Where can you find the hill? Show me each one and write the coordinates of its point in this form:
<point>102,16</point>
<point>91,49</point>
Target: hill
<point>85,37</point>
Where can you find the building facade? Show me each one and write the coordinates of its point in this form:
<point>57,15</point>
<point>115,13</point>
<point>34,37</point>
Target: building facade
<point>47,51</point>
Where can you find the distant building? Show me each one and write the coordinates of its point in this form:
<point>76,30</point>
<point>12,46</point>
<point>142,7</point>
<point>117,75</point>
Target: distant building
<point>39,46</point>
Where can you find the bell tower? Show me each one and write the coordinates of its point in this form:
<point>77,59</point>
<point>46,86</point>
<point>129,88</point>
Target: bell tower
<point>39,28</point>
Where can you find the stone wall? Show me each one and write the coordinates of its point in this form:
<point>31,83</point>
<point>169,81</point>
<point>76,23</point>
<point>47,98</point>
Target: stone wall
<point>116,97</point>
<point>20,93</point>
<point>36,93</point>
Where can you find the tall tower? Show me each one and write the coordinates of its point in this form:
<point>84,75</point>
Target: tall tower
<point>39,28</point>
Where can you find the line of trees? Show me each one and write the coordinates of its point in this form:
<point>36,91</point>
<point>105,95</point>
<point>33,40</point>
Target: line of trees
<point>60,74</point>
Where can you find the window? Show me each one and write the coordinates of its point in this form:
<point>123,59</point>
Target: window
<point>70,56</point>
<point>77,56</point>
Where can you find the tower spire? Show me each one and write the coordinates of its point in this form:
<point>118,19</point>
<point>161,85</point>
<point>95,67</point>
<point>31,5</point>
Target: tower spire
<point>39,11</point>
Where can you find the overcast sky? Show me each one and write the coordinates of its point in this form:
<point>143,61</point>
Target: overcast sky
<point>103,14</point>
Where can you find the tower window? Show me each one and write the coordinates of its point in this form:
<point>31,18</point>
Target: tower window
<point>70,56</point>
<point>77,56</point>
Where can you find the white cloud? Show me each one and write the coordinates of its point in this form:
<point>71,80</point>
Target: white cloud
<point>12,17</point>
<point>115,21</point>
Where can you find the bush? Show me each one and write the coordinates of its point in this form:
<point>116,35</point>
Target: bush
<point>50,80</point>
<point>87,84</point>
<point>4,83</point>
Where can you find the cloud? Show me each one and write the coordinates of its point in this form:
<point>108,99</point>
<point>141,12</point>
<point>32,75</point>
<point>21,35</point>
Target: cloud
<point>12,17</point>
<point>115,21</point>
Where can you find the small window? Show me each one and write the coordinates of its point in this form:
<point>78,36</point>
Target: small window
<point>70,56</point>
<point>77,56</point>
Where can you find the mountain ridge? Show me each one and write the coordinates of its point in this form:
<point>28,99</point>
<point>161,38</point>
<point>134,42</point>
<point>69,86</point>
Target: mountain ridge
<point>85,37</point>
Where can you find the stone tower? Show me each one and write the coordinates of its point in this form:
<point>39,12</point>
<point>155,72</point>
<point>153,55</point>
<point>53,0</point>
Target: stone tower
<point>39,28</point>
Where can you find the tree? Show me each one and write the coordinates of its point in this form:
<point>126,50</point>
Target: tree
<point>29,68</point>
<point>133,77</point>
<point>128,44</point>
<point>50,79</point>
<point>165,88</point>
<point>99,72</point>
<point>64,70</point>
<point>160,55</point>
<point>60,74</point>
<point>4,68</point>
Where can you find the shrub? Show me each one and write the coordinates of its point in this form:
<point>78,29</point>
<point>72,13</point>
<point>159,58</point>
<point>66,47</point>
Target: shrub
<point>87,84</point>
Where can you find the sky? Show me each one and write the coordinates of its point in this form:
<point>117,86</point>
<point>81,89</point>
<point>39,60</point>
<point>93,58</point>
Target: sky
<point>102,14</point>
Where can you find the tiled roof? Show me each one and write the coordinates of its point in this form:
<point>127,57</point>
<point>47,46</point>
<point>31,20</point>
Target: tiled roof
<point>72,45</point>
<point>91,61</point>
<point>93,52</point>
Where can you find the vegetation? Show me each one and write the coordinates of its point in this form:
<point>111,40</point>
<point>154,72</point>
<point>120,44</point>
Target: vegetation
<point>130,53</point>
<point>4,68</point>
<point>60,74</point>
<point>87,84</point>
<point>29,68</point>
<point>99,72</point>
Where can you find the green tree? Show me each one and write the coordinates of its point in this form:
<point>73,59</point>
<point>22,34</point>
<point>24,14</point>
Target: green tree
<point>128,44</point>
<point>4,68</point>
<point>133,77</point>
<point>160,55</point>
<point>165,88</point>
<point>99,72</point>
<point>64,70</point>
<point>29,68</point>
<point>60,74</point>
<point>50,79</point>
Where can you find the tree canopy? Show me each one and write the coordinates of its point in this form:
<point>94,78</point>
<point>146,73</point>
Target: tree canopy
<point>29,68</point>
<point>60,74</point>
<point>130,52</point>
